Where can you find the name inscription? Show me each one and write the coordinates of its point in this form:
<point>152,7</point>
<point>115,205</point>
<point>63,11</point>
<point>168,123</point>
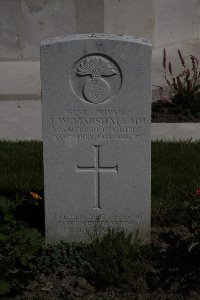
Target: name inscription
<point>98,125</point>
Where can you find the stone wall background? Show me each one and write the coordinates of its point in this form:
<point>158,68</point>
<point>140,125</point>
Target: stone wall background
<point>25,23</point>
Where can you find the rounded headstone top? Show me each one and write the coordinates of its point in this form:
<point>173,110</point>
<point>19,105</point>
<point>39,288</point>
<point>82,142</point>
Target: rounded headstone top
<point>97,36</point>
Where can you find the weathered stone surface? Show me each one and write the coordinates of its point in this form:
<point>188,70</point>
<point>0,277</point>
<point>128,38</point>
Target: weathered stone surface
<point>43,19</point>
<point>89,16</point>
<point>129,17</point>
<point>96,131</point>
<point>175,21</point>
<point>10,36</point>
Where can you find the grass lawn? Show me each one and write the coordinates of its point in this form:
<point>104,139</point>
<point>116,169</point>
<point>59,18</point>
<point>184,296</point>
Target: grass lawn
<point>21,167</point>
<point>175,170</point>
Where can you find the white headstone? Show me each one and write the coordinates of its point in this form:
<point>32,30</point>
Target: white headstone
<point>96,93</point>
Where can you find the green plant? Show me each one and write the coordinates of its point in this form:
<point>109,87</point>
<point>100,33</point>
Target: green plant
<point>184,86</point>
<point>115,258</point>
<point>56,255</point>
<point>19,246</point>
<point>194,206</point>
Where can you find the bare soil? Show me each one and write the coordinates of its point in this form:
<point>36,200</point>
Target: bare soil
<point>165,112</point>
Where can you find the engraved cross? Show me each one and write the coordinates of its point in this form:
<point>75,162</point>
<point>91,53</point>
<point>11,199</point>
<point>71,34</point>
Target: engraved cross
<point>97,169</point>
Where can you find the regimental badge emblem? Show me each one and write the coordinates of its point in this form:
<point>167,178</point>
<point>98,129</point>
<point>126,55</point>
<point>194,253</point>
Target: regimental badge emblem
<point>96,78</point>
<point>96,89</point>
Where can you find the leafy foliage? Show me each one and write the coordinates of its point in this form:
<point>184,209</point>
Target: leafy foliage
<point>112,259</point>
<point>193,206</point>
<point>115,258</point>
<point>63,253</point>
<point>19,245</point>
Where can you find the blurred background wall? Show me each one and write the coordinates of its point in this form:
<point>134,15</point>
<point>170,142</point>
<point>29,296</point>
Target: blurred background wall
<point>25,23</point>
